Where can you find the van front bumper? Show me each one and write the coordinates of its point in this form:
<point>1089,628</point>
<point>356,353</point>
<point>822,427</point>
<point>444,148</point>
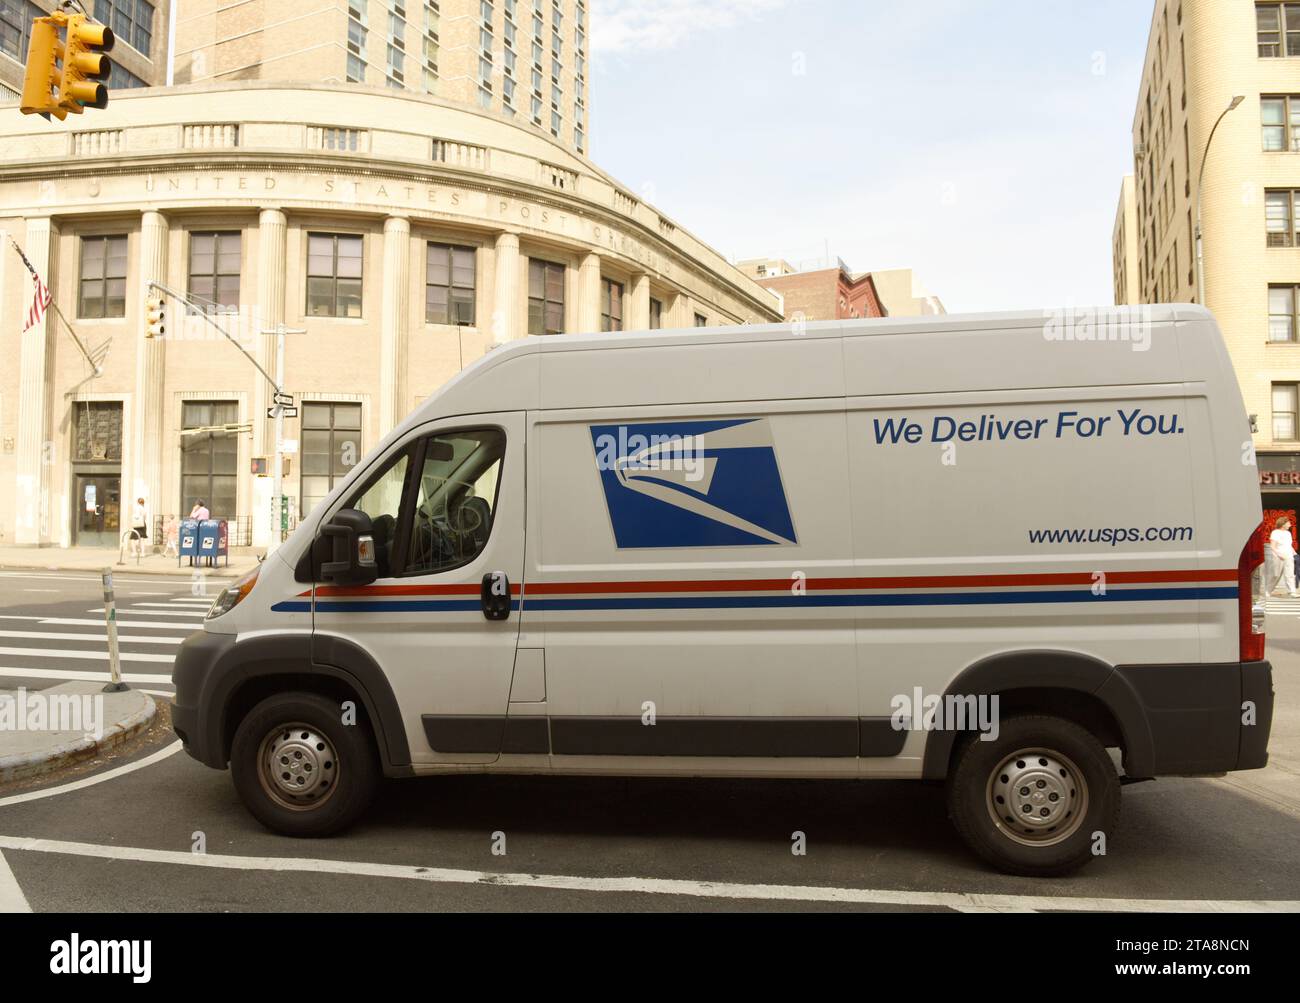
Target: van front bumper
<point>196,676</point>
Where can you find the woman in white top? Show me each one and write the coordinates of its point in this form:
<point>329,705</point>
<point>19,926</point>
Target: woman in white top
<point>139,523</point>
<point>1282,546</point>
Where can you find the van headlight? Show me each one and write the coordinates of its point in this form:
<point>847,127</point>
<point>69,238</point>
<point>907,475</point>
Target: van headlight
<point>233,594</point>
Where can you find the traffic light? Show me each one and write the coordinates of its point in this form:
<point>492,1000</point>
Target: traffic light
<point>44,75</point>
<point>155,317</point>
<point>85,65</point>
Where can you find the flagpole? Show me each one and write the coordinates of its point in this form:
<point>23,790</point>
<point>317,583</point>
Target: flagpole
<point>54,306</point>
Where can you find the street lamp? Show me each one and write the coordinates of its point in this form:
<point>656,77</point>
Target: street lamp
<point>1200,245</point>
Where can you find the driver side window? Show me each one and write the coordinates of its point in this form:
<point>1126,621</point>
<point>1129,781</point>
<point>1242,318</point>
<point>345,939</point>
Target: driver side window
<point>456,499</point>
<point>382,500</point>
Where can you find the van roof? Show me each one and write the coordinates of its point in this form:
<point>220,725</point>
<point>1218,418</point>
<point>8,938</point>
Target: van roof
<point>510,377</point>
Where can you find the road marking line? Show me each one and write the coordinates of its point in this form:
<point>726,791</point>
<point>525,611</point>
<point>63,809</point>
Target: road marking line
<point>12,898</point>
<point>79,675</point>
<point>98,656</point>
<point>47,635</point>
<point>961,901</point>
<point>133,624</point>
<point>188,607</point>
<point>179,582</point>
<point>40,590</point>
<point>98,778</point>
<point>152,612</point>
<point>133,594</point>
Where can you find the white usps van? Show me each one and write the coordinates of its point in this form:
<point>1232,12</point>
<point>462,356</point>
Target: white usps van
<point>1018,553</point>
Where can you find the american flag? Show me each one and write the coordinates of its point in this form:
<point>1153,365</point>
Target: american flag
<point>40,293</point>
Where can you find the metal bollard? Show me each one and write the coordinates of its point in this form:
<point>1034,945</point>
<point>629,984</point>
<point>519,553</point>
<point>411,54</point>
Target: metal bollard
<point>110,621</point>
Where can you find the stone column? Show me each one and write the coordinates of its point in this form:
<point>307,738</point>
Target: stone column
<point>396,314</point>
<point>589,294</point>
<point>36,453</point>
<point>505,298</point>
<point>636,308</point>
<point>149,410</point>
<point>272,228</point>
<point>680,312</point>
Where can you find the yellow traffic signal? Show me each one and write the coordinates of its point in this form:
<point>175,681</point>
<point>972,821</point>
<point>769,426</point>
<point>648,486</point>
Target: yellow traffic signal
<point>85,65</point>
<point>155,318</point>
<point>43,77</point>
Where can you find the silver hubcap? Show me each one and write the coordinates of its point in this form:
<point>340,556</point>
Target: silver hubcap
<point>298,766</point>
<point>1037,797</point>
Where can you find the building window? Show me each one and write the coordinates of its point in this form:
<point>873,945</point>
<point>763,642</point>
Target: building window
<point>1281,117</point>
<point>701,320</point>
<point>1280,217</point>
<point>131,21</point>
<point>210,458</point>
<point>545,297</point>
<point>331,447</point>
<point>611,305</point>
<point>97,432</point>
<point>16,27</point>
<point>449,285</point>
<point>214,268</point>
<point>102,291</point>
<point>656,314</point>
<point>1272,21</point>
<point>1281,313</point>
<point>356,69</point>
<point>1284,411</point>
<point>333,275</point>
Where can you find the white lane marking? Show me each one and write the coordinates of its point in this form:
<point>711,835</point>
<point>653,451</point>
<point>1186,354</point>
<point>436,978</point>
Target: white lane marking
<point>134,594</point>
<point>197,615</point>
<point>196,601</point>
<point>79,675</point>
<point>962,901</point>
<point>188,606</point>
<point>180,582</point>
<point>40,590</point>
<point>12,898</point>
<point>98,656</point>
<point>98,778</point>
<point>48,635</point>
<point>59,621</point>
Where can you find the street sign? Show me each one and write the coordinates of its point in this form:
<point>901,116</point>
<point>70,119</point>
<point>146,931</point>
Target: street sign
<point>288,412</point>
<point>280,397</point>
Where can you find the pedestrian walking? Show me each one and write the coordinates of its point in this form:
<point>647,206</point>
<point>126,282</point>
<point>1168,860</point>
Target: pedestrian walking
<point>140,526</point>
<point>1282,545</point>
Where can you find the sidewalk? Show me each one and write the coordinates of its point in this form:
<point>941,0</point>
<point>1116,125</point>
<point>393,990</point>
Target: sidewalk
<point>97,558</point>
<point>45,730</point>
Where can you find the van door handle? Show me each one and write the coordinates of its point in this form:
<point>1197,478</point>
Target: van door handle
<point>495,595</point>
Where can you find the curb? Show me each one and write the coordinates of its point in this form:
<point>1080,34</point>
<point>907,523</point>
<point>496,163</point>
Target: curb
<point>24,767</point>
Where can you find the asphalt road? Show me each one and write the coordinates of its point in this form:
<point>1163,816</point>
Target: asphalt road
<point>124,839</point>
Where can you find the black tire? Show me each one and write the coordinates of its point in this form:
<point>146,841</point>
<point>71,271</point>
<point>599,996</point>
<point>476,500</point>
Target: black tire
<point>335,764</point>
<point>1062,759</point>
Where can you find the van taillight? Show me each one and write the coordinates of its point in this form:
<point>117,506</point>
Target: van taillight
<point>1251,592</point>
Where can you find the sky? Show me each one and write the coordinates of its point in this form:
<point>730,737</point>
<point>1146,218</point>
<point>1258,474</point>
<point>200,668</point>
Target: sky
<point>980,142</point>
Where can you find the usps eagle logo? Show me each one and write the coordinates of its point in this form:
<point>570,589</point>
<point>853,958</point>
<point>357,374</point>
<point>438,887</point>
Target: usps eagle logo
<point>693,484</point>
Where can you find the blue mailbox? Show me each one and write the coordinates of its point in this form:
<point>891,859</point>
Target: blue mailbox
<point>214,540</point>
<point>188,540</point>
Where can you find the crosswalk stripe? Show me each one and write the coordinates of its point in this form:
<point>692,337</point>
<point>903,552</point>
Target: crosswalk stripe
<point>79,675</point>
<point>101,656</point>
<point>49,635</point>
<point>187,606</point>
<point>195,615</point>
<point>62,621</point>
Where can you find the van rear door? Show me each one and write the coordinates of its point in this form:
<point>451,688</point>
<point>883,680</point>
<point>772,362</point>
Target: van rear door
<point>441,622</point>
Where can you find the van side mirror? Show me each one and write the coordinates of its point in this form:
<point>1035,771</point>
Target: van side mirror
<point>345,549</point>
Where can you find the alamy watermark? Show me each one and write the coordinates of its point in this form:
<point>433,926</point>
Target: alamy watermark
<point>921,711</point>
<point>636,452</point>
<point>1132,324</point>
<point>42,711</point>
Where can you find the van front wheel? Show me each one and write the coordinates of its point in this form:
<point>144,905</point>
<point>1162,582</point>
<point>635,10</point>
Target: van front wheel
<point>1040,800</point>
<point>299,769</point>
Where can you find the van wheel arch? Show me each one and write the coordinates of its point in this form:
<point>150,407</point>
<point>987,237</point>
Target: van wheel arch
<point>282,663</point>
<point>1066,684</point>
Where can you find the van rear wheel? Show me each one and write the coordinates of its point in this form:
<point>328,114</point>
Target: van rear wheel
<point>1034,801</point>
<point>299,769</point>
